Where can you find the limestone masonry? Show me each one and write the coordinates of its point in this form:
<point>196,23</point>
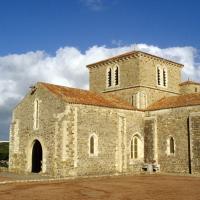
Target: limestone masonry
<point>137,116</point>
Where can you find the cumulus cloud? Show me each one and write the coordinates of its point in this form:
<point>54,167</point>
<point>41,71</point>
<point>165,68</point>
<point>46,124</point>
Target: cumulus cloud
<point>67,67</point>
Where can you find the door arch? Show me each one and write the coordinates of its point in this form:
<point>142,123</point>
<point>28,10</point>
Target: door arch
<point>36,157</point>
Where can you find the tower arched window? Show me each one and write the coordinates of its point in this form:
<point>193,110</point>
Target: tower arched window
<point>36,114</point>
<point>117,75</point>
<point>158,76</point>
<point>164,77</point>
<point>109,78</point>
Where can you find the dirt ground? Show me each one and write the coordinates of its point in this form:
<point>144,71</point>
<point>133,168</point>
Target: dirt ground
<point>2,178</point>
<point>145,187</point>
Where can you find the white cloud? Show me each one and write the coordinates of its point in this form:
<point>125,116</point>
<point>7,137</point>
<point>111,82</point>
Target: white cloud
<point>94,5</point>
<point>67,67</point>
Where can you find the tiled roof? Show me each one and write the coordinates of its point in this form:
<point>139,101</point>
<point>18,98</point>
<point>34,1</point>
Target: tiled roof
<point>176,101</point>
<point>189,82</point>
<point>133,53</point>
<point>78,96</point>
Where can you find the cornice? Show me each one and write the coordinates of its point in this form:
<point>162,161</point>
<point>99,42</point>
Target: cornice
<point>136,86</point>
<point>133,54</point>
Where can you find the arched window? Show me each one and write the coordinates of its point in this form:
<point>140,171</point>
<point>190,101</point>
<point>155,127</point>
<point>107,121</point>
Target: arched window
<point>132,149</point>
<point>109,78</point>
<point>93,145</point>
<point>136,148</point>
<point>164,77</point>
<point>112,76</point>
<point>158,76</point>
<point>36,114</point>
<point>117,75</point>
<point>134,100</point>
<point>171,145</point>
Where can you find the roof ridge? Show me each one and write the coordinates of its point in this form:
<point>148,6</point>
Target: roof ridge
<point>63,86</point>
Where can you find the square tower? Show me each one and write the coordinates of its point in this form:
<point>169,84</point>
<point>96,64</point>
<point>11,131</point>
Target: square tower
<point>137,77</point>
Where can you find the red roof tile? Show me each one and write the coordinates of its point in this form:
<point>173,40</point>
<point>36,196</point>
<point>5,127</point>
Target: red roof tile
<point>78,96</point>
<point>176,101</point>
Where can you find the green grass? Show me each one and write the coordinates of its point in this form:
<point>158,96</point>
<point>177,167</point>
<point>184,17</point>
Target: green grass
<point>4,151</point>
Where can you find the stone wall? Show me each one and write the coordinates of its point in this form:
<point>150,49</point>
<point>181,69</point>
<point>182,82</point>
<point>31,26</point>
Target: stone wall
<point>113,148</point>
<point>148,74</point>
<point>152,94</point>
<point>194,129</point>
<point>128,75</point>
<point>136,71</point>
<point>174,123</point>
<point>150,140</point>
<point>65,160</point>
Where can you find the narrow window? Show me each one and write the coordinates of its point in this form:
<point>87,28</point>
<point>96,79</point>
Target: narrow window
<point>171,145</point>
<point>92,145</point>
<point>116,76</point>
<point>36,114</point>
<point>135,148</point>
<point>132,149</point>
<point>109,77</point>
<point>164,77</point>
<point>195,89</point>
<point>158,76</point>
<point>134,100</point>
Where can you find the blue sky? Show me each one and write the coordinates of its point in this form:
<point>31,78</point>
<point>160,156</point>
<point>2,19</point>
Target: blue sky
<point>29,25</point>
<point>53,40</point>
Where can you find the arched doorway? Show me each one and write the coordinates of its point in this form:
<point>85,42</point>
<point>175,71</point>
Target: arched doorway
<point>37,157</point>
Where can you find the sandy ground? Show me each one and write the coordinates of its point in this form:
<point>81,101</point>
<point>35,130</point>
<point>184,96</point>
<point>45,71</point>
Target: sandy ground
<point>2,178</point>
<point>145,187</point>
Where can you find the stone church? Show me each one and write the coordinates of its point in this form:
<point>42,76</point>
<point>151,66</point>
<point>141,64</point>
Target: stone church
<point>137,113</point>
